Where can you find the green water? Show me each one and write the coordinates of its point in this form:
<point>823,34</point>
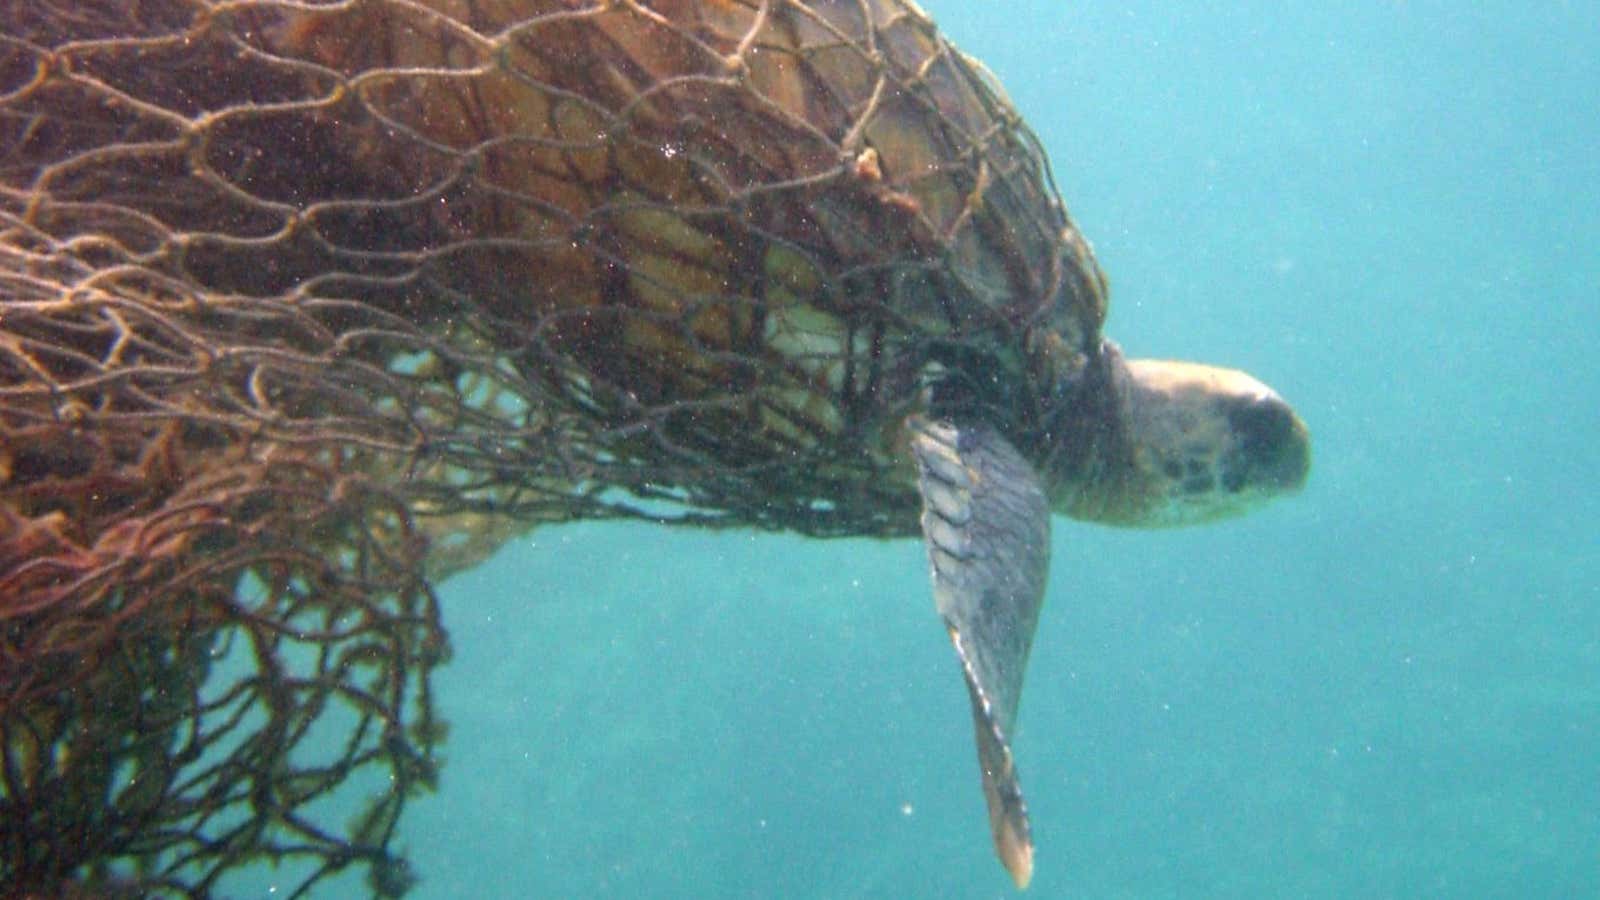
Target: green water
<point>1386,687</point>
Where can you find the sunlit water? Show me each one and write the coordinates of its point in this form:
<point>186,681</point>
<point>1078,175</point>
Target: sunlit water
<point>1388,686</point>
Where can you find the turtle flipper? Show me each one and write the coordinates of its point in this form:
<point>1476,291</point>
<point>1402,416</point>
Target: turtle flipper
<point>986,524</point>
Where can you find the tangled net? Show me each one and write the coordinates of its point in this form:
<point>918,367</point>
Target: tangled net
<point>304,306</point>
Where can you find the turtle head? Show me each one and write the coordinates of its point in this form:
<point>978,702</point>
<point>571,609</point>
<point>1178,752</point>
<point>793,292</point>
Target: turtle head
<point>1196,443</point>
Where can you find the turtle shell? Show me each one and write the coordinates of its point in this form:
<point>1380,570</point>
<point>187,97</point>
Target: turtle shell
<point>739,232</point>
<point>705,252</point>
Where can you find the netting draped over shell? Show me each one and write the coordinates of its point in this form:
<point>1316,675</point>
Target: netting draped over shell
<point>303,305</point>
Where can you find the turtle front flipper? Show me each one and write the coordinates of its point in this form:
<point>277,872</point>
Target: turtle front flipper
<point>986,524</point>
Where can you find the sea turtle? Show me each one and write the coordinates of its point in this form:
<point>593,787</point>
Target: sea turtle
<point>785,263</point>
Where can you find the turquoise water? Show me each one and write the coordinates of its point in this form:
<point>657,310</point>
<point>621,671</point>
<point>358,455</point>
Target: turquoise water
<point>1388,686</point>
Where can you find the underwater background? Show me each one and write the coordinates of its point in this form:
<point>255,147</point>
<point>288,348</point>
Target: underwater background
<point>1388,686</point>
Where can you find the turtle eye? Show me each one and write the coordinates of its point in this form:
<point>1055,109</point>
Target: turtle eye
<point>1273,446</point>
<point>1261,423</point>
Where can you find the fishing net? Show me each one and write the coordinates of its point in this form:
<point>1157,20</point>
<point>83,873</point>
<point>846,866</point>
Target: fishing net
<point>304,306</point>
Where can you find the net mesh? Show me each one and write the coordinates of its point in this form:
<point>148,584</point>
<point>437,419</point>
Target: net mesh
<point>305,306</point>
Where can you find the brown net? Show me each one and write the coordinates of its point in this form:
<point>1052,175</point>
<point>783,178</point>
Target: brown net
<point>304,306</point>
